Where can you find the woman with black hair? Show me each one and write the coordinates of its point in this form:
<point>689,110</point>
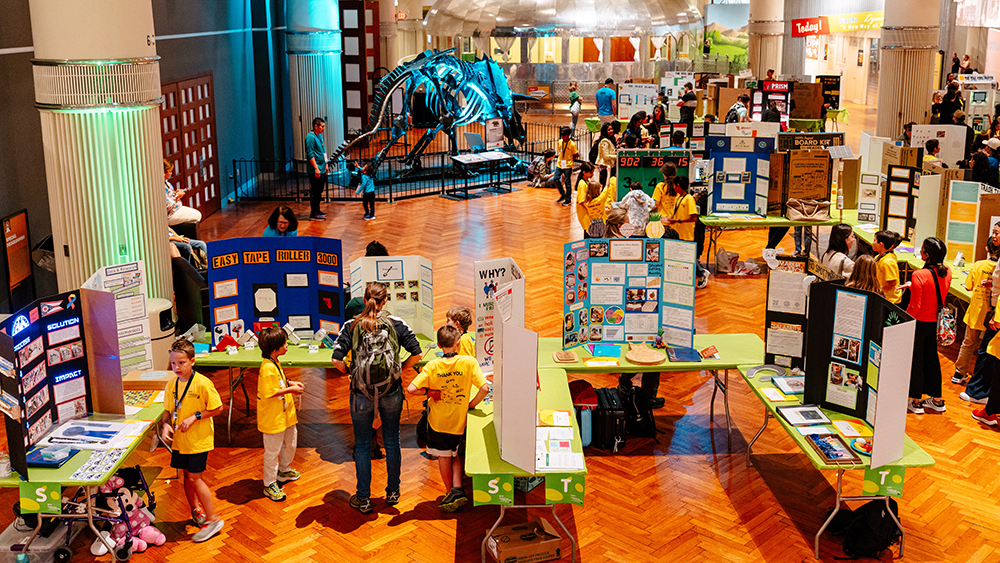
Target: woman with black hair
<point>928,289</point>
<point>282,223</point>
<point>981,170</point>
<point>607,154</point>
<point>835,259</point>
<point>655,120</point>
<point>637,131</point>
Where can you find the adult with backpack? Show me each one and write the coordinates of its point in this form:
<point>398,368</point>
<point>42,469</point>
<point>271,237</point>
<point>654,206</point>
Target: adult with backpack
<point>374,340</point>
<point>738,112</point>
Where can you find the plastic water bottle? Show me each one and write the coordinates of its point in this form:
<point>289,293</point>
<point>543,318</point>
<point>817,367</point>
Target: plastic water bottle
<point>4,464</point>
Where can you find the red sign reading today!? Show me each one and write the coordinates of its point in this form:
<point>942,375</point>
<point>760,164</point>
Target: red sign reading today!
<point>810,26</point>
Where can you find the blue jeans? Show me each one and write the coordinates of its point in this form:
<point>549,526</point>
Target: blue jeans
<point>362,415</point>
<point>564,178</point>
<point>982,374</point>
<point>185,249</point>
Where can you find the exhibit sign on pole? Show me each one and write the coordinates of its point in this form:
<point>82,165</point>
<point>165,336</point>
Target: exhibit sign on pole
<point>488,277</point>
<point>410,282</point>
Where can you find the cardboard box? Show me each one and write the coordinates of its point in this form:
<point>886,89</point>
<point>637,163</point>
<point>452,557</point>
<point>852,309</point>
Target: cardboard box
<point>798,174</point>
<point>900,156</point>
<point>525,543</point>
<point>146,380</point>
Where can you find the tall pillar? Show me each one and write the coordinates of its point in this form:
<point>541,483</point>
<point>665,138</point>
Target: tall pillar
<point>766,29</point>
<point>909,41</point>
<point>315,74</point>
<point>97,89</point>
<point>387,35</point>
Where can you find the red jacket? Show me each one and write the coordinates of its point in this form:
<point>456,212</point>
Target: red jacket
<point>923,305</point>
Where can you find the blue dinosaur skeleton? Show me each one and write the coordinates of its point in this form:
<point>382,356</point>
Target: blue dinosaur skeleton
<point>457,93</point>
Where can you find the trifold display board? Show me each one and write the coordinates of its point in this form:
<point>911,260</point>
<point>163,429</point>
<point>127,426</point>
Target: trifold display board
<point>628,290</point>
<point>951,139</point>
<point>899,208</point>
<point>643,165</point>
<point>831,90</point>
<point>780,92</point>
<point>786,318</point>
<point>973,209</point>
<point>869,197</point>
<point>515,378</point>
<point>738,174</point>
<point>488,277</point>
<point>294,280</point>
<point>65,356</point>
<point>858,355</point>
<point>411,287</point>
<point>694,133</point>
<point>673,86</point>
<point>127,282</point>
<point>798,174</point>
<point>633,98</point>
<point>753,129</point>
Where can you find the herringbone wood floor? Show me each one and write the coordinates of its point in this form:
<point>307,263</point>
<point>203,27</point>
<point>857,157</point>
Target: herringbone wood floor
<point>684,498</point>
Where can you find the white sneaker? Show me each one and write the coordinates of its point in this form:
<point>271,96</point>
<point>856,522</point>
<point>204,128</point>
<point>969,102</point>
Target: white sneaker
<point>965,397</point>
<point>936,405</point>
<point>208,530</point>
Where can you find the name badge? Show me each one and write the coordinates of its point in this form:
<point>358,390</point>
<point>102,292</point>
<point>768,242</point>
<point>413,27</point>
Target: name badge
<point>562,164</point>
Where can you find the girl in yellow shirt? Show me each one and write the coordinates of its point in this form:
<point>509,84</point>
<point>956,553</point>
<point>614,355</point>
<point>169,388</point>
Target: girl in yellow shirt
<point>591,201</point>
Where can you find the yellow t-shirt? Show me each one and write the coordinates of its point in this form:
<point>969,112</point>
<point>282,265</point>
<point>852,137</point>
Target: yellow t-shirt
<point>979,305</point>
<point>887,269</point>
<point>566,153</point>
<point>275,413</point>
<point>664,196</point>
<point>467,345</point>
<point>684,208</point>
<point>201,396</point>
<point>596,208</point>
<point>454,377</point>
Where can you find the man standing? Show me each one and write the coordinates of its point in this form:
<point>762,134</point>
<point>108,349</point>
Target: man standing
<point>607,107</point>
<point>316,154</point>
<point>688,103</point>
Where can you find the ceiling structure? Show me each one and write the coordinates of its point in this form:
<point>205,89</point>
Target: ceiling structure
<point>560,17</point>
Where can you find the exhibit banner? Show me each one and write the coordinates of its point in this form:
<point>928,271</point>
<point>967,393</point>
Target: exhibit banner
<point>295,281</point>
<point>738,174</point>
<point>488,277</point>
<point>628,290</point>
<point>127,282</point>
<point>809,141</point>
<point>410,280</point>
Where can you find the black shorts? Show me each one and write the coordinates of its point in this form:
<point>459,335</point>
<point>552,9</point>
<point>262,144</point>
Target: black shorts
<point>441,444</point>
<point>192,463</point>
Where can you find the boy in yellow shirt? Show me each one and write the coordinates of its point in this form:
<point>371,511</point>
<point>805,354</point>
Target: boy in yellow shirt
<point>682,218</point>
<point>276,418</point>
<point>447,381</point>
<point>566,155</point>
<point>461,318</point>
<point>189,404</point>
<point>886,265</point>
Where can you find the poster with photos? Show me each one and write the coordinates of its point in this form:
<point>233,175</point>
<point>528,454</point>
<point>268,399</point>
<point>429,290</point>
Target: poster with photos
<point>628,290</point>
<point>410,284</point>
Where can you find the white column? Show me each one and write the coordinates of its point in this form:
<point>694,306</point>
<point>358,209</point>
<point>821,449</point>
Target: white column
<point>97,88</point>
<point>766,29</point>
<point>313,43</point>
<point>387,34</point>
<point>909,40</point>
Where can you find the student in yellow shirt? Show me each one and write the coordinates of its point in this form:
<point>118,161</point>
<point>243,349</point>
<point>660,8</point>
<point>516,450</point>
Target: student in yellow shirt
<point>664,191</point>
<point>980,283</point>
<point>461,318</point>
<point>189,404</point>
<point>566,155</point>
<point>886,266</point>
<point>276,418</point>
<point>592,201</point>
<point>682,218</point>
<point>447,381</point>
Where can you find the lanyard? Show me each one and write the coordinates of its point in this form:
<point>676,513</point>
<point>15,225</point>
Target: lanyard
<point>178,403</point>
<point>879,259</point>
<point>284,381</point>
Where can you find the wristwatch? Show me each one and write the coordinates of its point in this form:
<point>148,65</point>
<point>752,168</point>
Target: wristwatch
<point>198,415</point>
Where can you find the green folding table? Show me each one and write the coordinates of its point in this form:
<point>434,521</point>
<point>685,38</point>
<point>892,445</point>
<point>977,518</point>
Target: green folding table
<point>734,350</point>
<point>913,455</point>
<point>482,452</point>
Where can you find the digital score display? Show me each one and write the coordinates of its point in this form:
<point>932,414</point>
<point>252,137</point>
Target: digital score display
<point>643,165</point>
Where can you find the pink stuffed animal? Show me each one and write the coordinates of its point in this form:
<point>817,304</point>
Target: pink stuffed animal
<point>144,533</point>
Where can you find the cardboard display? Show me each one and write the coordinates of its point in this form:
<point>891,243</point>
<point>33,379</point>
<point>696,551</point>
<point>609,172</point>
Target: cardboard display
<point>849,180</point>
<point>799,175</point>
<point>951,138</point>
<point>738,174</point>
<point>973,209</point>
<point>296,281</point>
<point>860,347</point>
<point>900,156</point>
<point>488,277</point>
<point>727,97</point>
<point>948,175</point>
<point>979,94</point>
<point>899,205</point>
<point>809,141</point>
<point>926,215</point>
<point>694,134</point>
<point>643,165</point>
<point>672,84</point>
<point>807,101</point>
<point>65,352</point>
<point>411,287</point>
<point>628,290</point>
<point>127,282</point>
<point>871,152</point>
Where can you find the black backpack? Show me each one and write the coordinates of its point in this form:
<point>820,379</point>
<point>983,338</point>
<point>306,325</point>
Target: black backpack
<point>376,367</point>
<point>733,116</point>
<point>638,412</point>
<point>595,149</point>
<point>872,529</point>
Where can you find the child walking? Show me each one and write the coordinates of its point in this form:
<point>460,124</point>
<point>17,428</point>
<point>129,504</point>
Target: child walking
<point>276,418</point>
<point>447,381</point>
<point>189,404</point>
<point>367,191</point>
<point>461,318</point>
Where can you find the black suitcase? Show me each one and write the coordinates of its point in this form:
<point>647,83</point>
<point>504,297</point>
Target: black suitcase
<point>609,421</point>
